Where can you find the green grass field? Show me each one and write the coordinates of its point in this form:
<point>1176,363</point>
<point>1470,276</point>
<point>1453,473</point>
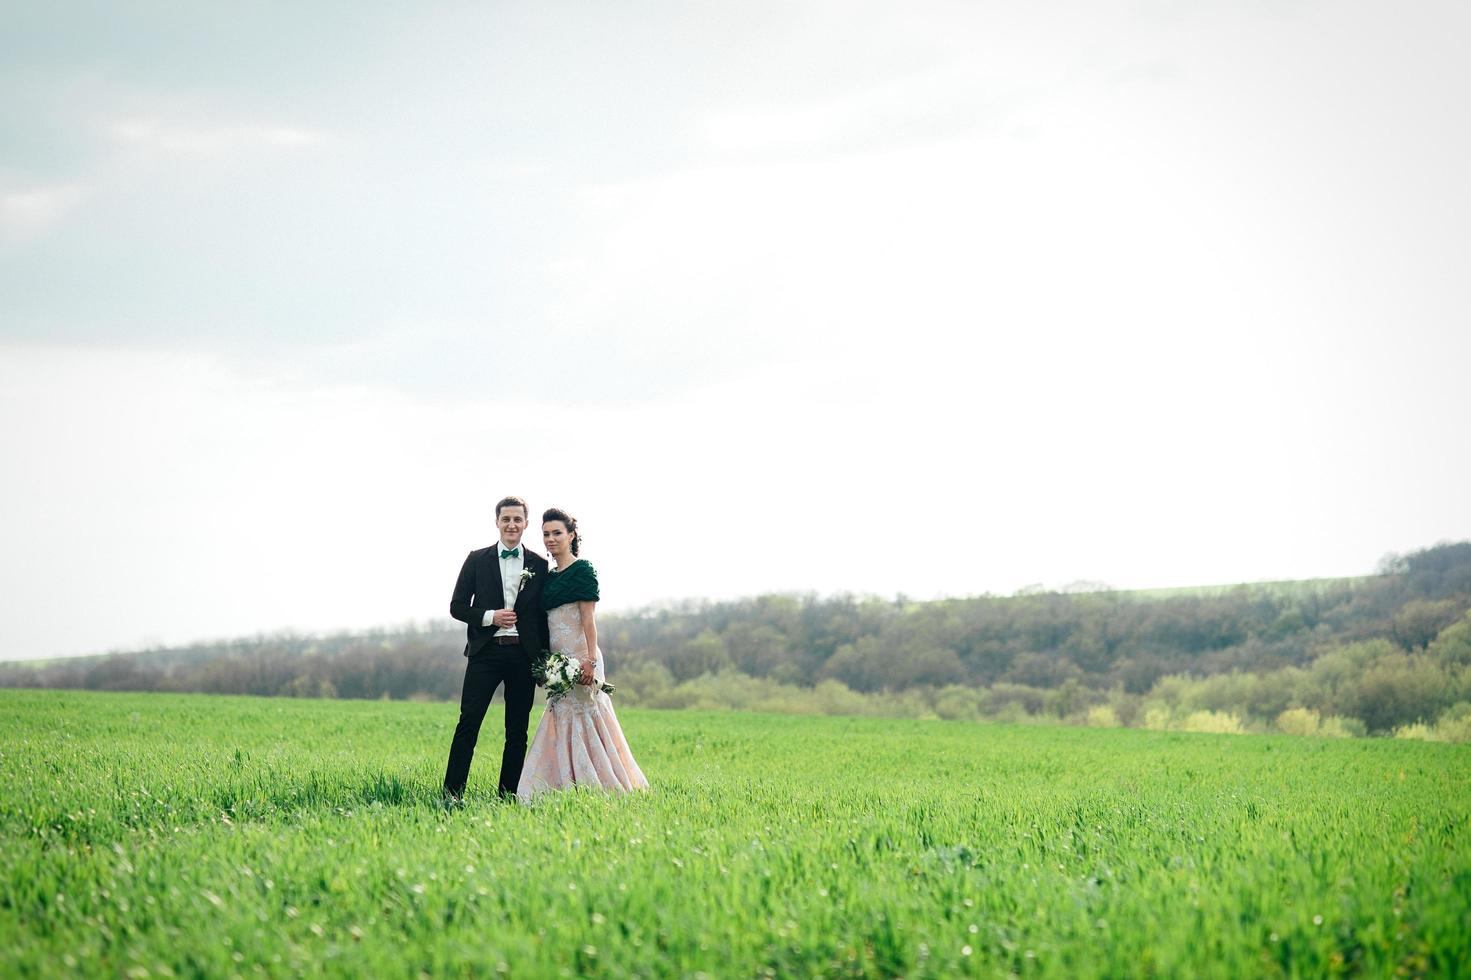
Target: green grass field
<point>158,835</point>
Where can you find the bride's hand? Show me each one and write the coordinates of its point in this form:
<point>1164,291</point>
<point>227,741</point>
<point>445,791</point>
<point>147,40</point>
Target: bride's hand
<point>585,675</point>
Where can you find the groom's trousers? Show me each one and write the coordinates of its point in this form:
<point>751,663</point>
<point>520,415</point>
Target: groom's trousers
<point>487,669</point>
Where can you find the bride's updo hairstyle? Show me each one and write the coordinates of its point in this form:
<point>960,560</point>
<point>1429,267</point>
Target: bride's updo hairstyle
<point>555,514</point>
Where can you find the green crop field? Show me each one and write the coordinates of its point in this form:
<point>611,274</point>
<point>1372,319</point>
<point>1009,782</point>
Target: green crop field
<point>164,835</point>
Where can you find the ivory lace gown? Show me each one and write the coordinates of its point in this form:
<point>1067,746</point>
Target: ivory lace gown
<point>578,741</point>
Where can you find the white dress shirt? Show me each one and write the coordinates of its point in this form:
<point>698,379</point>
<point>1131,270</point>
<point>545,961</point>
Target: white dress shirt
<point>510,585</point>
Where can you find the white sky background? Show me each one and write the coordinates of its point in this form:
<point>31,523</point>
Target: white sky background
<point>925,298</point>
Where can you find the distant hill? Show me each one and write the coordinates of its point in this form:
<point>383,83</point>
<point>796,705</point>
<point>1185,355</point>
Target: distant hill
<point>1288,587</point>
<point>1379,653</point>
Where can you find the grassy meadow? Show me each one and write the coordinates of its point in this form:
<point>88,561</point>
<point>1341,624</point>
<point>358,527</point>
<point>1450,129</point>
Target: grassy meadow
<point>189,835</point>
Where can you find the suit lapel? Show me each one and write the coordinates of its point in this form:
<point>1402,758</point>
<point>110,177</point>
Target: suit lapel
<point>498,600</point>
<point>533,561</point>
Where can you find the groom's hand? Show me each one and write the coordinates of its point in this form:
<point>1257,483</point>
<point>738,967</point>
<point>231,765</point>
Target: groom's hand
<point>503,617</point>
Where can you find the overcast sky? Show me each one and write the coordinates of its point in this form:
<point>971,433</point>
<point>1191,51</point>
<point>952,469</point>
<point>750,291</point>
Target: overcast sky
<point>931,298</point>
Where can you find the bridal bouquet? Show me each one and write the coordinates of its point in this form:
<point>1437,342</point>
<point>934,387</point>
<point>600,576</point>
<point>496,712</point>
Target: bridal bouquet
<point>559,675</point>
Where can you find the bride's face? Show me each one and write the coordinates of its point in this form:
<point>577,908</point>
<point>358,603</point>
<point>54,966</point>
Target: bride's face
<point>554,535</point>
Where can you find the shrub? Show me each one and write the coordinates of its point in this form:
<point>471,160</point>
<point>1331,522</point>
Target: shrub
<point>1340,726</point>
<point>836,698</point>
<point>1455,724</point>
<point>1453,645</point>
<point>1420,620</point>
<point>1299,721</point>
<point>1013,712</point>
<point>1000,696</point>
<point>1158,718</point>
<point>1398,689</point>
<point>644,683</point>
<point>1216,722</point>
<point>1419,730</point>
<point>1102,716</point>
<point>861,666</point>
<point>1129,708</point>
<point>957,702</point>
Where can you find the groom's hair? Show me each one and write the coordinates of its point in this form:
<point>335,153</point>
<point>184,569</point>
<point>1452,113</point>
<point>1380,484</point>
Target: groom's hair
<point>511,502</point>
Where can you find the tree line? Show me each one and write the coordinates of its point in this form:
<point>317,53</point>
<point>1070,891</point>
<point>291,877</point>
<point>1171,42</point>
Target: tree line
<point>1387,653</point>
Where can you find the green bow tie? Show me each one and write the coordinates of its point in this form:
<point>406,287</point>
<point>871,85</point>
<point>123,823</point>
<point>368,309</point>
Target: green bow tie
<point>513,553</point>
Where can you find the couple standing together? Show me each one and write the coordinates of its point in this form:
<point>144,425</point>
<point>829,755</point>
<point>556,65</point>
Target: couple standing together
<point>515,606</point>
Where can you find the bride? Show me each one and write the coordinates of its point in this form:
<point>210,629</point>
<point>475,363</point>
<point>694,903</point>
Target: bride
<point>578,741</point>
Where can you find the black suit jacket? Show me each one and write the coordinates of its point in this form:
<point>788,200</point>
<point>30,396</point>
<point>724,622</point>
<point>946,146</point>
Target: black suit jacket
<point>478,590</point>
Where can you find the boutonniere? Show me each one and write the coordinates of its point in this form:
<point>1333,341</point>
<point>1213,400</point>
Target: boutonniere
<point>526,576</point>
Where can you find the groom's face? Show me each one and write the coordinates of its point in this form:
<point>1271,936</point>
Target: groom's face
<point>511,522</point>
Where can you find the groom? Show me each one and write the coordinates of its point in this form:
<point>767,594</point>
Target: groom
<point>498,596</point>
